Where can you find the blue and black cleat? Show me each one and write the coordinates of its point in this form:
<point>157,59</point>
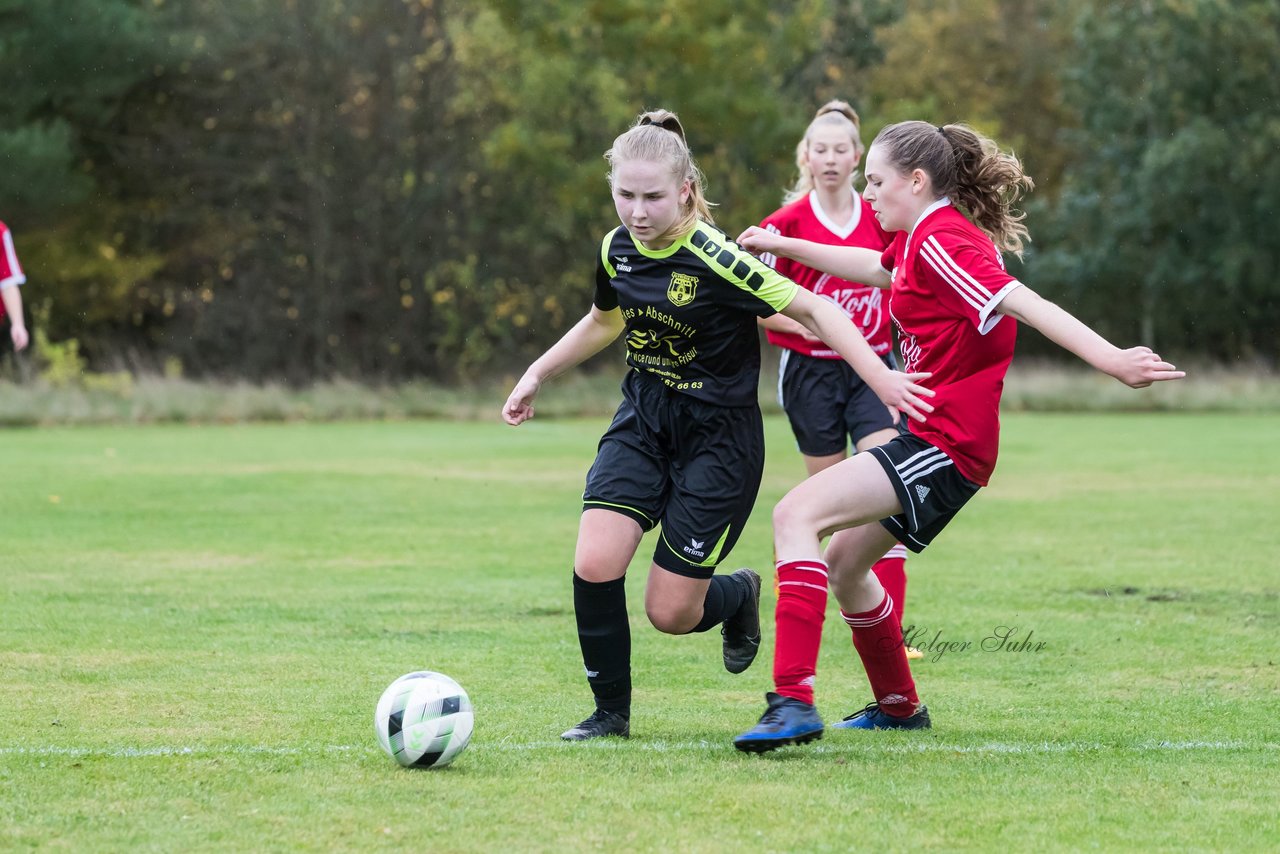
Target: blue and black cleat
<point>786,721</point>
<point>873,717</point>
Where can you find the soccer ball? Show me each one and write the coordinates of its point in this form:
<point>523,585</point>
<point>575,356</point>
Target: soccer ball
<point>423,720</point>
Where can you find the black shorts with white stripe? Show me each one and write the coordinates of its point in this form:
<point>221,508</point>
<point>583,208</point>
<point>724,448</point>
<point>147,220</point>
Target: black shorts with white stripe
<point>828,405</point>
<point>930,488</point>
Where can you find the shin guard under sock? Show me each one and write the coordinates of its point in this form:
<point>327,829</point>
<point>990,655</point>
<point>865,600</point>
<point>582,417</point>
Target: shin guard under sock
<point>877,637</point>
<point>604,633</point>
<point>802,605</point>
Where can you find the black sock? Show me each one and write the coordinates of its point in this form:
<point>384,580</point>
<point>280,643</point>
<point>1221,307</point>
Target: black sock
<point>604,633</point>
<point>725,595</point>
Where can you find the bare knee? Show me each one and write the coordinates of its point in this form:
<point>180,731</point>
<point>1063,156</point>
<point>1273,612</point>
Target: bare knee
<point>848,582</point>
<point>595,562</point>
<point>606,543</point>
<point>597,572</point>
<point>788,515</point>
<point>673,619</point>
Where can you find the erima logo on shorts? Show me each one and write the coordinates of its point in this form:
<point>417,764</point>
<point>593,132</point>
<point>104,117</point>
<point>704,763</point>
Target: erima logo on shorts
<point>922,491</point>
<point>696,548</point>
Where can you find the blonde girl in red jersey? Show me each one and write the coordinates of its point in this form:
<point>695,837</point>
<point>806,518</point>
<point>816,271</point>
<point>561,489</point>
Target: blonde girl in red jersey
<point>948,192</point>
<point>827,403</point>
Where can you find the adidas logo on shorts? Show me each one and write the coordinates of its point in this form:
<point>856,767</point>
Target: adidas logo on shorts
<point>922,492</point>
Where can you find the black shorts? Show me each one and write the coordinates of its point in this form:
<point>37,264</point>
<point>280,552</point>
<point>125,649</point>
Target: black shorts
<point>928,484</point>
<point>828,404</point>
<point>686,464</point>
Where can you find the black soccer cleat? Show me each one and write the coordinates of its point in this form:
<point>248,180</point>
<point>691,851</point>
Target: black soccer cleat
<point>601,723</point>
<point>741,632</point>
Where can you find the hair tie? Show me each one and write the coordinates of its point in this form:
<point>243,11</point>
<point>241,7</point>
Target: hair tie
<point>942,130</point>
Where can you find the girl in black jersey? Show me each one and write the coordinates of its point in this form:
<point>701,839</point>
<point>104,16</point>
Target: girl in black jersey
<point>685,450</point>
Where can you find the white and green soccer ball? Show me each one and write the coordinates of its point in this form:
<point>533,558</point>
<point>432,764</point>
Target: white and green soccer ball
<point>423,720</point>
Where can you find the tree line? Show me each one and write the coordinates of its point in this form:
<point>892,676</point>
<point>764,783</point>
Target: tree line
<point>388,189</point>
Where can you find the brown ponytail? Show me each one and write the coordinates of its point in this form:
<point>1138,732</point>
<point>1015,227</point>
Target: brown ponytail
<point>658,137</point>
<point>969,168</point>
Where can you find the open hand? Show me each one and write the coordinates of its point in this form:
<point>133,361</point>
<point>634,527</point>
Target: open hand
<point>1139,367</point>
<point>903,393</point>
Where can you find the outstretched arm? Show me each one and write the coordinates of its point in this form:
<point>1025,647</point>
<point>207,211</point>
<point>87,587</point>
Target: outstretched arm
<point>1137,367</point>
<point>12,298</point>
<point>895,389</point>
<point>852,263</point>
<point>589,336</point>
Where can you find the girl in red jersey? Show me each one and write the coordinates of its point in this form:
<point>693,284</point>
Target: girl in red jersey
<point>948,192</point>
<point>827,403</point>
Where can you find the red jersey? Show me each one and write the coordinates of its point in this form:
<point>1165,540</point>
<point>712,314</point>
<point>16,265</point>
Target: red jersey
<point>865,306</point>
<point>948,279</point>
<point>10,270</point>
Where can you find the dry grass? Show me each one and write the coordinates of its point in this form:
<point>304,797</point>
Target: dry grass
<point>1030,387</point>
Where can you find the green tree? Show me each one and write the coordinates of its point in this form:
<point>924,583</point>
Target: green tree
<point>1164,231</point>
<point>67,65</point>
<point>304,168</point>
<point>995,64</point>
<point>563,79</point>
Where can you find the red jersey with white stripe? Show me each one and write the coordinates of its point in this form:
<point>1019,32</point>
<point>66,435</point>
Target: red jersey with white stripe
<point>866,306</point>
<point>948,279</point>
<point>10,270</point>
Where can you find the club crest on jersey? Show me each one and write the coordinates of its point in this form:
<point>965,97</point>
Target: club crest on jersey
<point>682,289</point>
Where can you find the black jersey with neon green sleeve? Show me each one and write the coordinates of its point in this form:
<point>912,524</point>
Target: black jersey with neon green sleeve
<point>691,309</point>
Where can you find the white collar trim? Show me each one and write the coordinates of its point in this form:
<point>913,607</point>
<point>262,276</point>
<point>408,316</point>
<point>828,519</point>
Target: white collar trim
<point>840,231</point>
<point>936,206</point>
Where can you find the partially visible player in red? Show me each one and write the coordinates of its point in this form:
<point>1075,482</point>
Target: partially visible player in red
<point>949,193</point>
<point>827,403</point>
<point>11,277</point>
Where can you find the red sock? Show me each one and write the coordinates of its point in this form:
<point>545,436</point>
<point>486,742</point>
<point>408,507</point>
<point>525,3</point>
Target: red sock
<point>802,606</point>
<point>892,572</point>
<point>878,638</point>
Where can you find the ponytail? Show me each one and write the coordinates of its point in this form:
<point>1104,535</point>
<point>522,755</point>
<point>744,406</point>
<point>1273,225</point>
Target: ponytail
<point>969,168</point>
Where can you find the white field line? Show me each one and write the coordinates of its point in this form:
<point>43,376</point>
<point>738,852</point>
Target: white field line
<point>992,748</point>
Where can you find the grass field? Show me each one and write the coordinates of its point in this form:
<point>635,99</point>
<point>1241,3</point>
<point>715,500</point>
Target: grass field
<point>196,623</point>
